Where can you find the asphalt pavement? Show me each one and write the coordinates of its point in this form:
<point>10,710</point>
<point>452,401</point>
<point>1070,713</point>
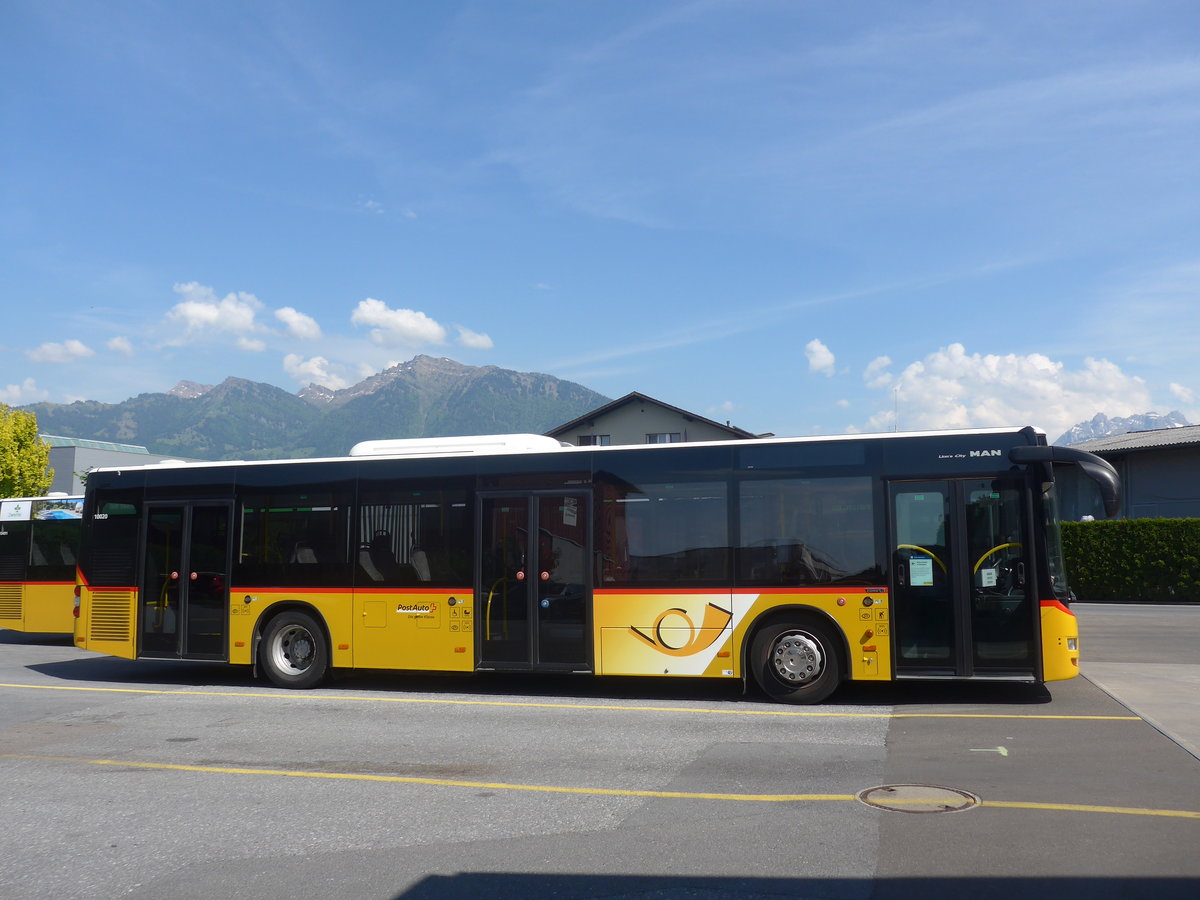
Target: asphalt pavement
<point>153,778</point>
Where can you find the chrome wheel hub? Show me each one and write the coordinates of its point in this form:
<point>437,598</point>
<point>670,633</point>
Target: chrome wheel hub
<point>796,658</point>
<point>294,649</point>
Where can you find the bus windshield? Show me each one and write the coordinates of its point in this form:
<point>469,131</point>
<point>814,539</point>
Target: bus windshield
<point>1054,550</point>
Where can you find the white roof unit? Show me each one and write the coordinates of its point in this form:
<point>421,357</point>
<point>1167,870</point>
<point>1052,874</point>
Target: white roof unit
<point>457,446</point>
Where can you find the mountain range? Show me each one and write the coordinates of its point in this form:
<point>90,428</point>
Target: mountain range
<point>1101,426</point>
<point>424,397</point>
<point>241,419</point>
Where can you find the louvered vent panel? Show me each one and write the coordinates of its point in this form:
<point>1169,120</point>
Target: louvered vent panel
<point>12,567</point>
<point>10,601</point>
<point>110,611</point>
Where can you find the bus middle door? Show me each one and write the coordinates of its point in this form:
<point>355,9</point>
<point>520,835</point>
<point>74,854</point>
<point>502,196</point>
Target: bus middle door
<point>534,595</point>
<point>185,581</point>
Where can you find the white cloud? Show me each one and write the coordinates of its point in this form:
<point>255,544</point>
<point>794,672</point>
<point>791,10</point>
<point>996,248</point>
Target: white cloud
<point>953,389</point>
<point>1182,394</point>
<point>67,351</point>
<point>721,410</point>
<point>298,324</point>
<point>120,345</point>
<point>25,392</point>
<point>252,345</point>
<point>473,339</point>
<point>203,314</point>
<point>820,358</point>
<point>876,374</point>
<point>313,371</point>
<point>397,326</point>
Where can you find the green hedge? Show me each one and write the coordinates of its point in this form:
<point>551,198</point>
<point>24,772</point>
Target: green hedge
<point>1133,560</point>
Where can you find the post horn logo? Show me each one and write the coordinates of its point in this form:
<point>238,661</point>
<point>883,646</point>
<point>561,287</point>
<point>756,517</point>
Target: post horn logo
<point>675,634</point>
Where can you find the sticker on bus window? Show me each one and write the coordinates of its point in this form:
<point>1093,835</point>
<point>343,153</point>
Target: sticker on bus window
<point>15,510</point>
<point>920,571</point>
<point>987,577</point>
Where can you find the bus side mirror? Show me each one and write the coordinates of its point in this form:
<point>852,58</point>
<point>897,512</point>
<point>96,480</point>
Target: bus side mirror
<point>1099,470</point>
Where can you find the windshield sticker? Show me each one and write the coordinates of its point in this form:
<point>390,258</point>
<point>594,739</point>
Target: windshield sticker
<point>920,571</point>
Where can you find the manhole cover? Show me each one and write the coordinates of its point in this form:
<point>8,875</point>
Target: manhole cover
<point>918,798</point>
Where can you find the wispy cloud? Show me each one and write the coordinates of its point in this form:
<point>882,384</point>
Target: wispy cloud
<point>298,324</point>
<point>25,392</point>
<point>316,370</point>
<point>407,327</point>
<point>473,339</point>
<point>54,352</point>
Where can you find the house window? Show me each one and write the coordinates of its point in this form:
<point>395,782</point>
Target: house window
<point>595,440</point>
<point>664,437</point>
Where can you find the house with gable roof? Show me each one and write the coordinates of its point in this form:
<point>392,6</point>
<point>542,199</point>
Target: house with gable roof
<point>638,419</point>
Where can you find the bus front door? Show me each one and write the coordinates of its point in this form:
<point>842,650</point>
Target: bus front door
<point>534,581</point>
<point>961,580</point>
<point>185,581</point>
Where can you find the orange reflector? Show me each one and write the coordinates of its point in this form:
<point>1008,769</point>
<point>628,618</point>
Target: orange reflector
<point>343,646</point>
<point>460,649</point>
<point>239,643</point>
<point>724,654</point>
<point>870,648</point>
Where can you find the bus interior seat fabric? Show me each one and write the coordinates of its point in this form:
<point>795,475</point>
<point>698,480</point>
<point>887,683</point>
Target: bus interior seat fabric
<point>304,554</point>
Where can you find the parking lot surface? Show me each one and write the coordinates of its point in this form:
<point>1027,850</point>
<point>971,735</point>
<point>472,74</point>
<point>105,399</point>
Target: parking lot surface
<point>146,778</point>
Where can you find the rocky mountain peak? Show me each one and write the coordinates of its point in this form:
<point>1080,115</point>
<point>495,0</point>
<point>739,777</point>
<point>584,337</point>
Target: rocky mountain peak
<point>189,390</point>
<point>1101,426</point>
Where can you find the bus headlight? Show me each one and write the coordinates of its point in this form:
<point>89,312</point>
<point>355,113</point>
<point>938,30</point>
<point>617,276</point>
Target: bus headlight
<point>1073,644</point>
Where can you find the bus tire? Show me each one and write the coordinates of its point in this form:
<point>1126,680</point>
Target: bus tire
<point>796,662</point>
<point>294,652</point>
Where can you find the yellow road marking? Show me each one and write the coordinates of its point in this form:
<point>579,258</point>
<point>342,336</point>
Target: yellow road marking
<point>781,713</point>
<point>447,782</point>
<point>585,791</point>
<point>1078,807</point>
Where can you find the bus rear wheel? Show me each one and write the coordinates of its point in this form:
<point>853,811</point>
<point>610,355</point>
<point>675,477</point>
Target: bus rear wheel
<point>796,662</point>
<point>294,652</point>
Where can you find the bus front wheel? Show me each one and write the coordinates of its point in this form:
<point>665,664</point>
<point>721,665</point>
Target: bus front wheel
<point>294,652</point>
<point>796,662</point>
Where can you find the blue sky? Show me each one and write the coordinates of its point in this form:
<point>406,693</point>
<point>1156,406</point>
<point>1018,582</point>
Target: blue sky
<point>802,217</point>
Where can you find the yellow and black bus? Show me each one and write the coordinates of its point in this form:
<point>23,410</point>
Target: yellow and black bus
<point>794,564</point>
<point>39,542</point>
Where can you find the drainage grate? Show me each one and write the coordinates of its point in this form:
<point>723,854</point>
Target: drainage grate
<point>918,798</point>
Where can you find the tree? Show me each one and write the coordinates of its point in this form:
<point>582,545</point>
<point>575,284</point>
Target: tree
<point>24,456</point>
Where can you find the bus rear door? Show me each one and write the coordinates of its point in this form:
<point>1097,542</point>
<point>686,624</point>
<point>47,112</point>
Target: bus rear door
<point>961,580</point>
